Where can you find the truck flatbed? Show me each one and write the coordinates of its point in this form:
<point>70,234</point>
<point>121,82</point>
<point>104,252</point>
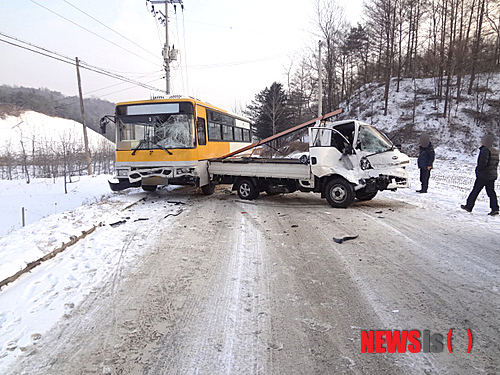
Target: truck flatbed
<point>253,167</point>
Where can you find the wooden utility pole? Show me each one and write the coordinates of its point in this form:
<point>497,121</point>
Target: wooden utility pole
<point>320,82</point>
<point>169,54</point>
<point>85,138</point>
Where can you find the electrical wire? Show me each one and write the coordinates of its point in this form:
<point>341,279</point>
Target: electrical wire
<point>121,83</point>
<point>68,60</point>
<point>109,28</point>
<point>128,88</point>
<point>95,34</point>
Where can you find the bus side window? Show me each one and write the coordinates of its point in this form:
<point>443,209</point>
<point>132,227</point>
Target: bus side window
<point>246,135</point>
<point>200,128</point>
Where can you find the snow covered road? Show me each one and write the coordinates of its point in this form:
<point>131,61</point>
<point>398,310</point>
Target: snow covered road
<point>260,287</point>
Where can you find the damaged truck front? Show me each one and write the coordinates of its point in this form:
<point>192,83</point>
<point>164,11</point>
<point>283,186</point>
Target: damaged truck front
<point>356,153</point>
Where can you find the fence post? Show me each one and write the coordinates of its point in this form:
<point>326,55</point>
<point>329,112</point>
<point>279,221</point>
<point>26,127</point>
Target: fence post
<point>22,216</point>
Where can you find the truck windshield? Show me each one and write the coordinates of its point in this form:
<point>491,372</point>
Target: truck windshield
<point>373,141</point>
<point>157,131</point>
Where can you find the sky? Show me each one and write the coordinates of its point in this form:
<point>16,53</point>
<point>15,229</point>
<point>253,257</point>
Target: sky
<point>229,50</point>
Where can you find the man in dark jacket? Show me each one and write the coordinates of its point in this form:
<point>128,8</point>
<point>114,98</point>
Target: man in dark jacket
<point>425,160</point>
<point>486,174</point>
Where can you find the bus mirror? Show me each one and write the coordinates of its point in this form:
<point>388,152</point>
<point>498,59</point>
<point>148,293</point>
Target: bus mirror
<point>104,122</point>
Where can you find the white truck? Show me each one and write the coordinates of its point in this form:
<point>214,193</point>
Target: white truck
<point>345,160</point>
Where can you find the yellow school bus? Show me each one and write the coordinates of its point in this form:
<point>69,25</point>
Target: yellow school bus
<point>167,141</point>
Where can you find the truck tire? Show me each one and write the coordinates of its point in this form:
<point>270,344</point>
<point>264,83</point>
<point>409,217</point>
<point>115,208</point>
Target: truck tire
<point>362,195</point>
<point>208,189</point>
<point>149,187</point>
<point>339,193</point>
<point>246,189</point>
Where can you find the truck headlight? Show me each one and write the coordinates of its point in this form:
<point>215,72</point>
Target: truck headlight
<point>122,172</point>
<point>365,164</point>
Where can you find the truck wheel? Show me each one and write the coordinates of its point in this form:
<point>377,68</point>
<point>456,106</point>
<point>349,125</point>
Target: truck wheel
<point>149,187</point>
<point>247,190</point>
<point>362,195</point>
<point>339,193</point>
<point>208,189</point>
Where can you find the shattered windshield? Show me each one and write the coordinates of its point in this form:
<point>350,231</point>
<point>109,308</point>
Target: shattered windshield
<point>373,141</point>
<point>157,131</point>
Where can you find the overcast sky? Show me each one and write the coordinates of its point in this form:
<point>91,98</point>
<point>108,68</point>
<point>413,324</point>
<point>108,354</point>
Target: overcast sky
<point>229,49</point>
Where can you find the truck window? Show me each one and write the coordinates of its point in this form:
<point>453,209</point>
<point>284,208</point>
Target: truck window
<point>371,140</point>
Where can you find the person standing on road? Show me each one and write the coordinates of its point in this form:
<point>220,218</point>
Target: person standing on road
<point>486,174</point>
<point>425,160</point>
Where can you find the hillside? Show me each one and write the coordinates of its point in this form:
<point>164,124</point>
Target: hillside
<point>15,100</point>
<point>416,109</point>
<point>49,147</point>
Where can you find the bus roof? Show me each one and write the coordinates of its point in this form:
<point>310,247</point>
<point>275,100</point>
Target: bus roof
<point>183,99</point>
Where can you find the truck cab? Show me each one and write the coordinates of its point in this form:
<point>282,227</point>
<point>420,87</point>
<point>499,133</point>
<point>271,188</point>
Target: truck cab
<point>358,153</point>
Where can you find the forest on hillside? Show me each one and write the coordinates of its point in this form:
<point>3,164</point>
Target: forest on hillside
<point>451,41</point>
<point>14,100</point>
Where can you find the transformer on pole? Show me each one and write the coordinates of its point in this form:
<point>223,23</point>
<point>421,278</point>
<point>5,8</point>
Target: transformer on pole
<point>169,54</point>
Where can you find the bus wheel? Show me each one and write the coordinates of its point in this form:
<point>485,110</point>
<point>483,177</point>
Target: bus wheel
<point>339,193</point>
<point>149,187</point>
<point>208,189</point>
<point>247,190</point>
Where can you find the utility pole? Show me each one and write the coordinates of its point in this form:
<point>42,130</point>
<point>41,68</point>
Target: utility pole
<point>320,82</point>
<point>82,108</point>
<point>169,55</point>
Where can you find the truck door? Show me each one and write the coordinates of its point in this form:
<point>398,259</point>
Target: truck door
<point>330,151</point>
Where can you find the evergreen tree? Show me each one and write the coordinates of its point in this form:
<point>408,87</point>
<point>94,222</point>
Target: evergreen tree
<point>269,111</point>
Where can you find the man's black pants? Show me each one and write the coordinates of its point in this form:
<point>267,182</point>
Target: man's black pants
<point>425,174</point>
<point>490,190</point>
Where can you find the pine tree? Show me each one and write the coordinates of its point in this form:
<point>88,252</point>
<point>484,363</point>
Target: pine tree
<point>269,111</point>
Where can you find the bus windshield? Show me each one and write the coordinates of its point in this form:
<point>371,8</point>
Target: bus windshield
<point>157,131</point>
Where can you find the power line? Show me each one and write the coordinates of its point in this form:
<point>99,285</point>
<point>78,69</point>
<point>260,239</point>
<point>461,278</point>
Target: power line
<point>97,35</point>
<point>68,60</point>
<point>109,28</point>
<point>128,88</point>
<point>122,83</point>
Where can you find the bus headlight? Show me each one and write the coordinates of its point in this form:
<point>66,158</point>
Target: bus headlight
<point>122,172</point>
<point>184,170</point>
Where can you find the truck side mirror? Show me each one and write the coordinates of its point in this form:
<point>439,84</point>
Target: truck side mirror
<point>348,150</point>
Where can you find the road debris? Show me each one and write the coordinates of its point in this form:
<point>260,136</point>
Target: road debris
<point>346,238</point>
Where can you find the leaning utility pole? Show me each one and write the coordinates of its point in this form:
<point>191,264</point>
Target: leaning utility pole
<point>82,108</point>
<point>169,55</point>
<point>320,82</point>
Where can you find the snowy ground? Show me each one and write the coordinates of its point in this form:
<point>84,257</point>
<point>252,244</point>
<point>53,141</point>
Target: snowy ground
<point>47,296</point>
<point>45,196</point>
<point>450,184</point>
<point>36,301</point>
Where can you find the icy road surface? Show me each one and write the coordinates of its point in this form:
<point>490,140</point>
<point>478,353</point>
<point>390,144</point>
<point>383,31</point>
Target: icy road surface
<point>260,287</point>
